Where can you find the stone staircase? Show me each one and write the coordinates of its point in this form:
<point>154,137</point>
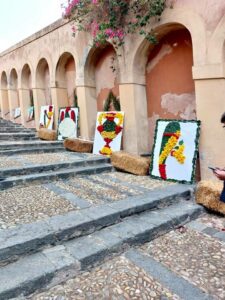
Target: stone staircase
<point>45,253</point>
<point>16,139</point>
<point>45,173</point>
<point>10,131</point>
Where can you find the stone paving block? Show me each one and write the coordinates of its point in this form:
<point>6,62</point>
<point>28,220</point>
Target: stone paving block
<point>110,239</point>
<point>25,276</point>
<point>210,231</point>
<point>182,212</point>
<point>60,258</point>
<point>167,278</point>
<point>71,225</point>
<point>195,225</point>
<point>87,250</point>
<point>76,200</point>
<point>24,239</point>
<point>102,215</point>
<point>220,235</point>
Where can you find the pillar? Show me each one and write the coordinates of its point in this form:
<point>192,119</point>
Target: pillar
<point>210,104</point>
<point>39,100</point>
<point>13,101</point>
<point>59,99</point>
<point>87,103</point>
<point>134,104</point>
<point>4,103</point>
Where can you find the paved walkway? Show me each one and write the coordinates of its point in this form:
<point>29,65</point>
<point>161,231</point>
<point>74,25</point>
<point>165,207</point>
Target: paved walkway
<point>186,263</point>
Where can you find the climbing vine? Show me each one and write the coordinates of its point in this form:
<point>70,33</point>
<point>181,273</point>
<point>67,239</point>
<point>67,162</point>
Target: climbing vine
<point>114,19</point>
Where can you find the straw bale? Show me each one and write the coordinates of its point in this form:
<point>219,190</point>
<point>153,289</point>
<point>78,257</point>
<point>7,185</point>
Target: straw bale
<point>130,163</point>
<point>78,145</point>
<point>208,194</point>
<point>47,134</point>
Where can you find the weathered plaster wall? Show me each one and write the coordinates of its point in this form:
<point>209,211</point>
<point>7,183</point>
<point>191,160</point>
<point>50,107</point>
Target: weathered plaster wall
<point>70,77</point>
<point>169,83</point>
<point>167,71</point>
<point>105,77</point>
<point>210,10</point>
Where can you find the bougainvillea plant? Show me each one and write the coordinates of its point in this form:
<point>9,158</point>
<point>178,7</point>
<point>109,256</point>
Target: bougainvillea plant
<point>114,19</point>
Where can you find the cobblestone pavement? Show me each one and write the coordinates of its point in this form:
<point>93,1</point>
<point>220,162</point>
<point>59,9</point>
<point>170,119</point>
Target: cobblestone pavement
<point>8,162</point>
<point>29,204</point>
<point>48,158</point>
<point>116,279</point>
<point>20,205</point>
<point>196,258</point>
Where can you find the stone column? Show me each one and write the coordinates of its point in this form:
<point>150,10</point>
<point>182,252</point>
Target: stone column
<point>4,103</point>
<point>210,104</point>
<point>59,99</point>
<point>24,96</point>
<point>87,103</point>
<point>13,101</point>
<point>134,104</point>
<point>39,100</point>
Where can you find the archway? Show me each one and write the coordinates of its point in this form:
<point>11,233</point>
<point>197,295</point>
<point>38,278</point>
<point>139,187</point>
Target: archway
<point>4,96</point>
<point>26,95</point>
<point>13,94</point>
<point>106,77</point>
<point>66,79</point>
<point>43,83</point>
<point>170,87</point>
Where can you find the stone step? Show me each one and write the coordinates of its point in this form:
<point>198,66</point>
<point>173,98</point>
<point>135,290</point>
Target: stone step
<point>45,177</point>
<point>15,129</point>
<point>18,136</point>
<point>56,264</point>
<point>30,238</point>
<point>28,144</point>
<point>43,149</point>
<point>25,170</point>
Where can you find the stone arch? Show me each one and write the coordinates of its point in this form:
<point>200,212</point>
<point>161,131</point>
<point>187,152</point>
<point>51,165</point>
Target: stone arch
<point>13,94</point>
<point>166,71</point>
<point>26,96</point>
<point>216,48</point>
<point>13,79</point>
<point>4,100</point>
<point>171,19</point>
<point>42,82</point>
<point>65,77</point>
<point>101,72</point>
<point>4,80</point>
<point>26,78</point>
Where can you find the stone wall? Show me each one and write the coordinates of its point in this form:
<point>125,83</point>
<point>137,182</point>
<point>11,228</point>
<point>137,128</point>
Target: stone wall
<point>183,76</point>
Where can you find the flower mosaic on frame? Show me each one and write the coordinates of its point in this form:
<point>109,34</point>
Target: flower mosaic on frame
<point>175,150</point>
<point>108,132</point>
<point>68,120</point>
<point>47,116</point>
<point>17,112</point>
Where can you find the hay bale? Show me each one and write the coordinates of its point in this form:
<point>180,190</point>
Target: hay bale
<point>47,134</point>
<point>130,163</point>
<point>78,145</point>
<point>208,194</point>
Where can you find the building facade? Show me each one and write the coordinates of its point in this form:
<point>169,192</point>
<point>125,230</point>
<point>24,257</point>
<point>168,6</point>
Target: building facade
<point>181,77</point>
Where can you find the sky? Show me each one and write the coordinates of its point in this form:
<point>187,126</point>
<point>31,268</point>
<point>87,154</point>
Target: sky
<point>21,18</point>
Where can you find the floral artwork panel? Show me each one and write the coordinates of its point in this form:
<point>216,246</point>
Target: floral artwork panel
<point>46,117</point>
<point>175,150</point>
<point>17,112</point>
<point>67,125</point>
<point>30,113</point>
<point>108,132</point>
